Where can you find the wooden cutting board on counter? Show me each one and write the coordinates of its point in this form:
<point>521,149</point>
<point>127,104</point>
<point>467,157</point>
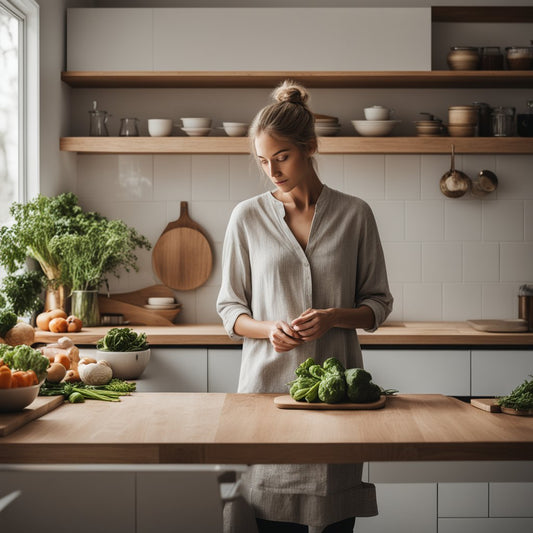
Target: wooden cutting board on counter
<point>499,326</point>
<point>10,422</point>
<point>182,258</point>
<point>287,402</point>
<point>491,405</point>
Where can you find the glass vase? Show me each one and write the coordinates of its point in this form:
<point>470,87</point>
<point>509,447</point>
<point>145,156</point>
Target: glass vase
<point>84,305</point>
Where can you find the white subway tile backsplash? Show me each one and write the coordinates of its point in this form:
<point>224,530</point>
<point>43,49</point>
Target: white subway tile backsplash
<point>503,220</point>
<point>514,177</point>
<point>213,217</point>
<point>396,290</point>
<point>516,261</point>
<point>364,176</point>
<point>206,298</point>
<point>245,178</point>
<point>442,261</point>
<point>500,300</point>
<point>210,178</point>
<point>331,170</point>
<point>462,220</point>
<point>528,220</point>
<point>172,177</point>
<point>422,301</point>
<point>402,177</point>
<point>461,301</point>
<point>481,261</point>
<point>432,167</point>
<point>424,220</point>
<point>403,261</point>
<point>390,218</point>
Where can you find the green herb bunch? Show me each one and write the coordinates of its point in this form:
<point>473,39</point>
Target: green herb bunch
<point>73,247</point>
<point>21,293</point>
<point>122,340</point>
<point>521,398</point>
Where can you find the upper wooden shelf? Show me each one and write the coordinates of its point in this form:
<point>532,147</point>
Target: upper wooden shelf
<point>513,79</point>
<point>327,145</point>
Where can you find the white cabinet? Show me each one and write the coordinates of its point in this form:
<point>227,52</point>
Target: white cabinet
<point>223,367</point>
<point>65,501</point>
<point>403,508</point>
<point>194,39</point>
<point>463,500</point>
<point>498,372</point>
<point>420,371</point>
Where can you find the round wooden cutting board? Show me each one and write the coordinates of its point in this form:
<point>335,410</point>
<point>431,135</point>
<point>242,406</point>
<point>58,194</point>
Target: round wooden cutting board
<point>287,402</point>
<point>182,258</point>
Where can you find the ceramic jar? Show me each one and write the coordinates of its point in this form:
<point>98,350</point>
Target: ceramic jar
<point>463,58</point>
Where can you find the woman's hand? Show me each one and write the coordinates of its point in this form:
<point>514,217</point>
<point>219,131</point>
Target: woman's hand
<point>313,323</point>
<point>283,338</point>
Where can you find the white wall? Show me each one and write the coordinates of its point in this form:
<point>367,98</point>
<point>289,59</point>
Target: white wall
<point>447,259</point>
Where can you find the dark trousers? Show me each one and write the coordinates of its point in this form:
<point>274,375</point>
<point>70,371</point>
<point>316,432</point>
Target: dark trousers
<point>267,526</point>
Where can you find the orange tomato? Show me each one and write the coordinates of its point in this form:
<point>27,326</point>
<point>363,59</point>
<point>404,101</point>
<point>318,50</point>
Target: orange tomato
<point>23,378</point>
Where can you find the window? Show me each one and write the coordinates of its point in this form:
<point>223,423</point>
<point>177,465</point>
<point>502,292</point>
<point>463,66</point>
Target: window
<point>19,104</point>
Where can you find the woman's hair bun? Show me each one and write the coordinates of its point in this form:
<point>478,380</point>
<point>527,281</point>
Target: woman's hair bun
<point>289,91</point>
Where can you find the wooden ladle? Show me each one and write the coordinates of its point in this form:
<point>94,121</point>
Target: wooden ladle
<point>455,183</point>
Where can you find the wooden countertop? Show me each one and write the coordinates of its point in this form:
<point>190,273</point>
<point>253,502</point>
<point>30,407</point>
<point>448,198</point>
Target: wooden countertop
<point>394,333</point>
<point>216,428</point>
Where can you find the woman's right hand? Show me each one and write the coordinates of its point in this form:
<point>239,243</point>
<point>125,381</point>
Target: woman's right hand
<point>283,338</point>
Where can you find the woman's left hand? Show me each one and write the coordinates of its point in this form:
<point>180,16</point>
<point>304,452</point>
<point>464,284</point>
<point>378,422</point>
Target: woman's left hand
<point>313,323</point>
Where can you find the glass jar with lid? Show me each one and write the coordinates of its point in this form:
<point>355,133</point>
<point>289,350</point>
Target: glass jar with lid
<point>491,58</point>
<point>463,58</point>
<point>519,57</point>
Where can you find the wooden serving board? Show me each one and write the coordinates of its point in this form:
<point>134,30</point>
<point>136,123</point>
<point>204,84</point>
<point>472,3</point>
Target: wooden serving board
<point>286,402</point>
<point>491,405</point>
<point>9,422</point>
<point>499,326</point>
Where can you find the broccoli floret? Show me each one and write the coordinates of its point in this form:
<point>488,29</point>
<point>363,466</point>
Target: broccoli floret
<point>303,369</point>
<point>301,387</point>
<point>359,386</point>
<point>7,320</point>
<point>333,365</point>
<point>332,388</point>
<point>317,371</point>
<point>26,358</point>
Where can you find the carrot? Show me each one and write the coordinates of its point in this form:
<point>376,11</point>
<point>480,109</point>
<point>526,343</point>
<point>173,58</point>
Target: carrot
<point>23,378</point>
<point>5,377</point>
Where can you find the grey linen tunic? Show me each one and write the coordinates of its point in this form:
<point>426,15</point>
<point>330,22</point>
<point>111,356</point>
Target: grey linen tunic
<point>267,275</point>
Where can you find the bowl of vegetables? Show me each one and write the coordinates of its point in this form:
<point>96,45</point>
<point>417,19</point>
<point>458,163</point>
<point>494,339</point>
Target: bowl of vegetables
<point>22,371</point>
<point>126,351</point>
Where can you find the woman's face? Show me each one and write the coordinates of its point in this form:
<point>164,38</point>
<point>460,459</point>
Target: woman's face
<point>284,163</point>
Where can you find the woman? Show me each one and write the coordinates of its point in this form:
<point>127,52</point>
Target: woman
<point>302,268</point>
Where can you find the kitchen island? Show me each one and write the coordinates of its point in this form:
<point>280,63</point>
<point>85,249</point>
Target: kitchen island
<point>153,428</point>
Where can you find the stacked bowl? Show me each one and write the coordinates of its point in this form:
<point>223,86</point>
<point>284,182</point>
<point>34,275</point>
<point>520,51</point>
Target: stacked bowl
<point>462,120</point>
<point>377,122</point>
<point>196,126</point>
<point>326,126</point>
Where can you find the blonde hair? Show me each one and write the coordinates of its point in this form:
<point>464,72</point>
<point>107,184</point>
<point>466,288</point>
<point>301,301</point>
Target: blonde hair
<point>287,118</point>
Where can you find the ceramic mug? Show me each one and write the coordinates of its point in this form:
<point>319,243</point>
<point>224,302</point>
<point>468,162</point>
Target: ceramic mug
<point>159,127</point>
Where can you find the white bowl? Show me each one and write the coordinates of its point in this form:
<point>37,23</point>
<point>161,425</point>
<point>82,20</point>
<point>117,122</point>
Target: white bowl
<point>235,129</point>
<point>377,112</point>
<point>160,300</point>
<point>125,365</point>
<point>374,128</point>
<point>159,127</point>
<point>196,122</point>
<point>18,398</point>
<point>196,132</point>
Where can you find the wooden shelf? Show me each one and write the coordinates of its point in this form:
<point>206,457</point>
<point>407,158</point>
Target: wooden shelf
<point>513,79</point>
<point>327,145</point>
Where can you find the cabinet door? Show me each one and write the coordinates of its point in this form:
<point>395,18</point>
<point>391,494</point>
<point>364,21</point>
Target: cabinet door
<point>498,372</point>
<point>65,501</point>
<point>175,370</point>
<point>223,367</point>
<point>420,371</point>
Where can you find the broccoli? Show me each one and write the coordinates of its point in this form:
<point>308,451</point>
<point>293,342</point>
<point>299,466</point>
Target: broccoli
<point>332,388</point>
<point>360,388</point>
<point>317,371</point>
<point>24,357</point>
<point>303,387</point>
<point>333,365</point>
<point>7,320</point>
<point>303,369</point>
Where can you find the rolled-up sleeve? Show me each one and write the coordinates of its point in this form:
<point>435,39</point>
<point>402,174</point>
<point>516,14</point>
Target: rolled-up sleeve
<point>235,291</point>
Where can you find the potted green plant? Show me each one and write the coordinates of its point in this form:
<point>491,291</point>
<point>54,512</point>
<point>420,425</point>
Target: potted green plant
<point>74,248</point>
<point>125,350</point>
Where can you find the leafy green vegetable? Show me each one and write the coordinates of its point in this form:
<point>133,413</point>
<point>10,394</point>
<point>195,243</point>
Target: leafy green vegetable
<point>7,320</point>
<point>122,340</point>
<point>22,291</point>
<point>74,391</point>
<point>73,247</point>
<point>303,369</point>
<point>521,398</point>
<point>332,364</point>
<point>332,388</point>
<point>24,357</point>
